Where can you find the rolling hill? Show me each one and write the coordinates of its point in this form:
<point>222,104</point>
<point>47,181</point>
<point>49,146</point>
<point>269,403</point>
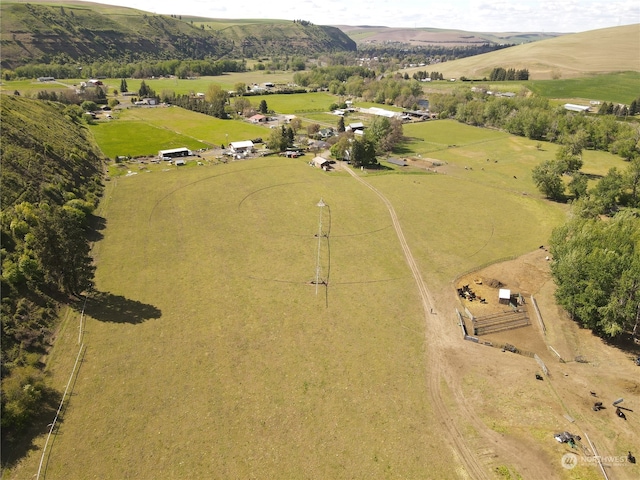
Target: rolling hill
<point>365,34</point>
<point>48,31</point>
<point>607,50</point>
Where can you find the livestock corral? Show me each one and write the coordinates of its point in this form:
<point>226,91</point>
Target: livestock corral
<point>488,310</point>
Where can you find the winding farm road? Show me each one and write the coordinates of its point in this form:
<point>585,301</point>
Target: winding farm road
<point>435,370</point>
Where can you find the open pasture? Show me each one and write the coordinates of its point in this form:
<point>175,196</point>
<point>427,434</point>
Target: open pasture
<point>210,354</point>
<point>226,81</point>
<point>144,131</point>
<point>614,87</point>
<point>489,157</point>
<point>137,138</point>
<point>296,103</point>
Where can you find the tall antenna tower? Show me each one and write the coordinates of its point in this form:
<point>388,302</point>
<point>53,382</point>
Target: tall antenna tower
<point>320,204</point>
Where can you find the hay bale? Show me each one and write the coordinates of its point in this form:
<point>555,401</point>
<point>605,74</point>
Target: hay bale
<point>493,283</point>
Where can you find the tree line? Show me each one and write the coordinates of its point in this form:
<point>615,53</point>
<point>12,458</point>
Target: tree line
<point>52,181</point>
<point>535,118</point>
<point>115,69</point>
<point>499,74</point>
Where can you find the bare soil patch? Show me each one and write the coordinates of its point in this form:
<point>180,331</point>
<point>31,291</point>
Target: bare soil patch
<point>514,414</point>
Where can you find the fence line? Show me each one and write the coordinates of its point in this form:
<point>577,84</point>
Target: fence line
<point>597,456</point>
<point>55,420</point>
<point>484,265</point>
<point>535,306</point>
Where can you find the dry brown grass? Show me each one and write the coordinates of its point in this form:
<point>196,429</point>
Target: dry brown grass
<point>615,49</point>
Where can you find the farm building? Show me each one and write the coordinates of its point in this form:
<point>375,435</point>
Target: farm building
<point>320,163</point>
<point>353,127</point>
<point>46,79</point>
<point>572,107</point>
<point>504,296</point>
<point>174,152</point>
<point>257,118</point>
<point>380,112</point>
<point>241,148</point>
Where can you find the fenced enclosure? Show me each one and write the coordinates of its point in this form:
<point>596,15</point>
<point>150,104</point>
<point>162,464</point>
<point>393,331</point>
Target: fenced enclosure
<point>498,322</point>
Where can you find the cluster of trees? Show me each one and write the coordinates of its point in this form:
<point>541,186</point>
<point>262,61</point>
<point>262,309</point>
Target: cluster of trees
<point>115,69</point>
<point>281,138</point>
<point>596,267</point>
<point>71,97</point>
<point>620,110</point>
<point>499,74</point>
<point>421,75</point>
<point>285,62</point>
<point>537,119</point>
<point>380,137</point>
<point>402,53</point>
<point>321,77</point>
<point>214,103</point>
<point>51,182</point>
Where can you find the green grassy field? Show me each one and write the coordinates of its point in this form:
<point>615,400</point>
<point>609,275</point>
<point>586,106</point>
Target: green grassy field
<point>615,87</point>
<point>296,103</point>
<point>209,353</point>
<point>144,131</point>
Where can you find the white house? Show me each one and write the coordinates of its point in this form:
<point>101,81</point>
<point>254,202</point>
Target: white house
<point>241,148</point>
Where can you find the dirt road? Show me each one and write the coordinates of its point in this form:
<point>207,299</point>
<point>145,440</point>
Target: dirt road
<point>435,369</point>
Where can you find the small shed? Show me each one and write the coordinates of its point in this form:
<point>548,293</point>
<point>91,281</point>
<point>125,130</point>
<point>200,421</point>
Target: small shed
<point>355,126</point>
<point>504,296</point>
<point>320,162</point>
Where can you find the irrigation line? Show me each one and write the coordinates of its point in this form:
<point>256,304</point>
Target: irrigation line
<point>55,420</point>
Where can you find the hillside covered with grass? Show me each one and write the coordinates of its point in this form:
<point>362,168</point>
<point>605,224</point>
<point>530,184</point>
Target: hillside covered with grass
<point>45,32</point>
<point>51,182</point>
<point>606,50</point>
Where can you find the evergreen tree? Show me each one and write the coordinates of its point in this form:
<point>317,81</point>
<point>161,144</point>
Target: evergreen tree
<point>123,86</point>
<point>262,108</point>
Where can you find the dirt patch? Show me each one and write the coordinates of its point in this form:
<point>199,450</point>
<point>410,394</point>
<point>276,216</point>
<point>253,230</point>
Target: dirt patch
<point>520,413</point>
